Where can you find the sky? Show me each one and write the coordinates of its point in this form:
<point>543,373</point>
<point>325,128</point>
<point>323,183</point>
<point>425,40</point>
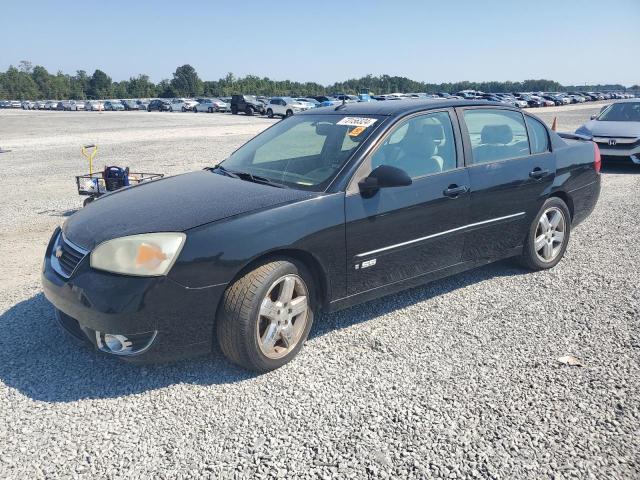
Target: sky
<point>573,42</point>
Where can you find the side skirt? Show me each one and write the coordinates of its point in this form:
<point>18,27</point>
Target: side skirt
<point>396,287</point>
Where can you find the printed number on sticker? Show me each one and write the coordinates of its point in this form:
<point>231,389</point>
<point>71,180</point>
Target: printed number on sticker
<point>357,121</point>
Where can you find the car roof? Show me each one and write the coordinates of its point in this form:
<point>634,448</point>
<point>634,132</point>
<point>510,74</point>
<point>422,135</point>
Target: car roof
<point>398,107</point>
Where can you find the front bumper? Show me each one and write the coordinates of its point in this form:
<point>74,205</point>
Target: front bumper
<point>175,321</point>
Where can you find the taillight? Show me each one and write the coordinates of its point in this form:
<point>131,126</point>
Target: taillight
<point>597,160</point>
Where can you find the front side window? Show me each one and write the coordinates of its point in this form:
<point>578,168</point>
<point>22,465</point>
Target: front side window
<point>496,134</point>
<point>304,151</point>
<point>538,136</point>
<point>420,146</point>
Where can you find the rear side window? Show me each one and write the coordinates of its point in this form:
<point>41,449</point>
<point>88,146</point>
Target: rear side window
<point>538,136</point>
<point>496,134</point>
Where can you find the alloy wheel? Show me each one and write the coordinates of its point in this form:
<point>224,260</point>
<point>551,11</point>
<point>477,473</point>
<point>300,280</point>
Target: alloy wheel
<point>550,234</point>
<point>283,316</point>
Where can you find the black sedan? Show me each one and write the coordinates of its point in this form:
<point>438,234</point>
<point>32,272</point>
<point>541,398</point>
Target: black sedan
<point>324,210</point>
<point>161,105</point>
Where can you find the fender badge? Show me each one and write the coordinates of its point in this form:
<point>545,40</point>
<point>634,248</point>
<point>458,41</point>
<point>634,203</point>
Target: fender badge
<point>58,253</point>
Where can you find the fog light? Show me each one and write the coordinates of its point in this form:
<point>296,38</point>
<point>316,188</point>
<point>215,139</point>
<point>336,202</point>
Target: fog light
<point>118,344</point>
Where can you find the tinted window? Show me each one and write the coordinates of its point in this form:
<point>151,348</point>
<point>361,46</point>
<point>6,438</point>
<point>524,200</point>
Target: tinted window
<point>420,146</point>
<point>537,136</point>
<point>496,134</point>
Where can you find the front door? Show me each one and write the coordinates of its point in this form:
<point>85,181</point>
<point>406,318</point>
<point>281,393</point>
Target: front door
<point>406,232</point>
<point>511,169</point>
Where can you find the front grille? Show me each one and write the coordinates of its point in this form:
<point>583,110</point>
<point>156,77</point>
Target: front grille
<point>622,143</point>
<point>65,256</point>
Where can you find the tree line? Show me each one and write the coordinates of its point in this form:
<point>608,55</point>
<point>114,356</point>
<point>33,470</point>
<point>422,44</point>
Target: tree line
<point>34,82</point>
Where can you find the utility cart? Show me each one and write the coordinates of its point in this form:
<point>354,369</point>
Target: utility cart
<point>95,184</point>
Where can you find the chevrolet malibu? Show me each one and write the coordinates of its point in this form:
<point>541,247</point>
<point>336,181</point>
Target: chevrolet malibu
<point>322,211</point>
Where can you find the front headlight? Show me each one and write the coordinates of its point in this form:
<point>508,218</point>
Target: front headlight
<point>146,255</point>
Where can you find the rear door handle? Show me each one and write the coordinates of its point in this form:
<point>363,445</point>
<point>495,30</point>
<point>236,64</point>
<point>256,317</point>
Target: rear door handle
<point>453,191</point>
<point>538,173</point>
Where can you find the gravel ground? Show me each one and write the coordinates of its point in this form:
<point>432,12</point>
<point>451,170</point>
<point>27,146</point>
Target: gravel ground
<point>457,379</point>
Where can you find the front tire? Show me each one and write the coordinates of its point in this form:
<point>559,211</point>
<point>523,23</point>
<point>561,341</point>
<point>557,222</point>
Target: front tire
<point>289,113</point>
<point>266,316</point>
<point>548,236</point>
<point>248,111</point>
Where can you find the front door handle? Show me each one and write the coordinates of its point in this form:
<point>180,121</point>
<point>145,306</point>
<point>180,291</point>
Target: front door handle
<point>454,191</point>
<point>538,173</point>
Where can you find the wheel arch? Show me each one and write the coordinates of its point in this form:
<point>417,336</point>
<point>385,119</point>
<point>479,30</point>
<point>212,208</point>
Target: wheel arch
<point>566,198</point>
<point>310,262</point>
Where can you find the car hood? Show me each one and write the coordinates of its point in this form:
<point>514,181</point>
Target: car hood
<point>613,129</point>
<point>173,204</point>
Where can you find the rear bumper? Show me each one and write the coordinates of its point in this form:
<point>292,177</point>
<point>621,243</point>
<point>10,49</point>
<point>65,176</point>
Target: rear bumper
<point>178,321</point>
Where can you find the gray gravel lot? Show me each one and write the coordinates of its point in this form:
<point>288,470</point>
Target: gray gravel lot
<point>457,379</point>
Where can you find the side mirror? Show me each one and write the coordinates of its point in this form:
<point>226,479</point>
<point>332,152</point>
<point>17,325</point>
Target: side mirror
<point>384,176</point>
<point>594,116</point>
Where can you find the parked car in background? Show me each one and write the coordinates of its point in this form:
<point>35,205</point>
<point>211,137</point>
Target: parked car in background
<point>142,104</point>
<point>285,107</point>
<point>182,105</point>
<point>130,105</point>
<point>113,105</point>
<point>249,104</point>
<point>28,105</point>
<point>531,101</point>
<point>51,104</point>
<point>326,101</point>
<point>210,105</point>
<point>616,130</point>
<point>310,102</point>
<point>159,105</point>
<point>69,105</point>
<point>40,104</point>
<point>94,106</point>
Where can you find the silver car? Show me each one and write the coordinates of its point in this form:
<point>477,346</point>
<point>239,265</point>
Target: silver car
<point>210,105</point>
<point>616,130</point>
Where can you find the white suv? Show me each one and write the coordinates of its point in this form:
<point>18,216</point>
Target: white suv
<point>285,107</point>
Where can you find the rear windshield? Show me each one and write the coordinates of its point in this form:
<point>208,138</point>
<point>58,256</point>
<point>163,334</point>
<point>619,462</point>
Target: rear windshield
<point>303,151</point>
<point>621,112</point>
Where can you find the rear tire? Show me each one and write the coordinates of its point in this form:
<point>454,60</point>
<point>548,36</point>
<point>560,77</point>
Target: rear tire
<point>289,113</point>
<point>257,325</point>
<point>548,236</point>
<point>184,109</point>
<point>210,110</point>
<point>248,110</point>
<point>269,113</point>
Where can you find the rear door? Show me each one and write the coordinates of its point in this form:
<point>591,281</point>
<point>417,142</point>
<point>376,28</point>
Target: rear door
<point>406,232</point>
<point>511,170</point>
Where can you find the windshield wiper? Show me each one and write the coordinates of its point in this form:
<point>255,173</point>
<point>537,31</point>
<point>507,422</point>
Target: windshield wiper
<point>258,179</point>
<point>224,171</point>
<point>246,176</point>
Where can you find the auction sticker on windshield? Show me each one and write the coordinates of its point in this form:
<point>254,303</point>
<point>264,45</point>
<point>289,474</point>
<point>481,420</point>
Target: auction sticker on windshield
<point>357,121</point>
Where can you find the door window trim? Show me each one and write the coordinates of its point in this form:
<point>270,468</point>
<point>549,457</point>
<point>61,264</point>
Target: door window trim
<point>365,169</point>
<point>546,129</point>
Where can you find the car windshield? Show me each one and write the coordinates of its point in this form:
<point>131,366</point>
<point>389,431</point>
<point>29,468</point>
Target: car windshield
<point>621,112</point>
<point>304,151</point>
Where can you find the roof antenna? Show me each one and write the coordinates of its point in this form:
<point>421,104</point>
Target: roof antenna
<point>343,104</point>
